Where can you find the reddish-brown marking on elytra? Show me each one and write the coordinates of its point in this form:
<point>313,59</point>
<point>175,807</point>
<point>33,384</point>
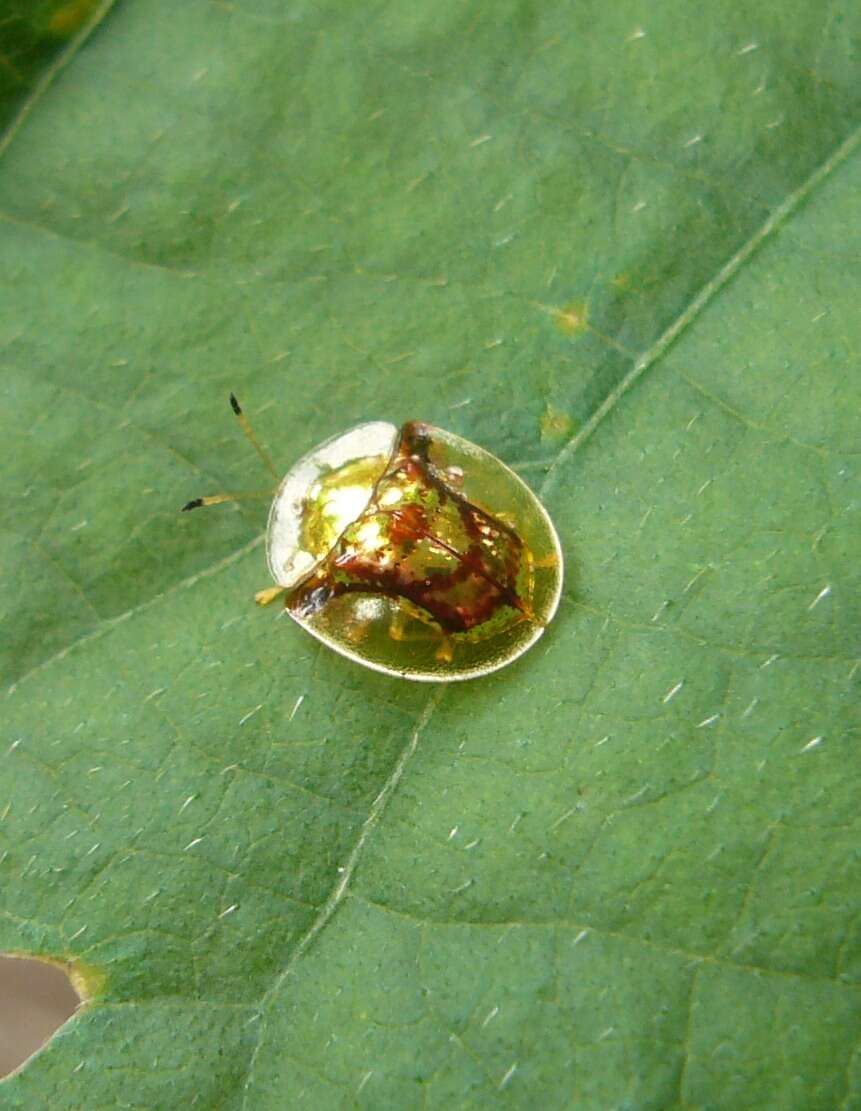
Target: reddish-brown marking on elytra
<point>430,594</point>
<point>409,524</point>
<point>458,598</point>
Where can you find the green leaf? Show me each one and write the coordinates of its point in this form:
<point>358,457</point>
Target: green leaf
<point>618,245</point>
<point>34,45</point>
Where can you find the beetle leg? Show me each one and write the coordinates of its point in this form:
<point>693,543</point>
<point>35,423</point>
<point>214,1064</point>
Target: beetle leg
<point>398,624</point>
<point>398,630</point>
<point>264,597</point>
<point>356,632</point>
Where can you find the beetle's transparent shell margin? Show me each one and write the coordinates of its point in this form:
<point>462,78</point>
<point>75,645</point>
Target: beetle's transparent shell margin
<point>289,562</point>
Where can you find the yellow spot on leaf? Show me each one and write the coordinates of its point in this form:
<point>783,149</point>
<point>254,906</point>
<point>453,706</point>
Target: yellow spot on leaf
<point>555,424</point>
<point>573,319</point>
<point>87,980</point>
<point>71,17</point>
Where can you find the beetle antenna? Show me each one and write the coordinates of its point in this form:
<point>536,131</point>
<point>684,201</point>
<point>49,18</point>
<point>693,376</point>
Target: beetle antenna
<point>255,443</point>
<point>217,499</point>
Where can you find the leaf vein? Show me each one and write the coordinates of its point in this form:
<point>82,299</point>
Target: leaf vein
<point>339,891</point>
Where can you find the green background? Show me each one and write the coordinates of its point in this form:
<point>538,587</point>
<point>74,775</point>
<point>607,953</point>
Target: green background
<point>619,246</point>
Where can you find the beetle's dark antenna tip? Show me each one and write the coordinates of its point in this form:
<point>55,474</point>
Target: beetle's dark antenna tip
<point>195,504</point>
<point>235,406</point>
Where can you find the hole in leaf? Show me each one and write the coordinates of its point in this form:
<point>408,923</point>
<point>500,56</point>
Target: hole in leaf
<point>36,998</point>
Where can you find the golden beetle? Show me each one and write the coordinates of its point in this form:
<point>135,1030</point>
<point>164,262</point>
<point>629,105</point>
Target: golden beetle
<point>411,550</point>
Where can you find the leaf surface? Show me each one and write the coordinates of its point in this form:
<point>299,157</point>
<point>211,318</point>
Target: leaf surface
<point>616,245</point>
